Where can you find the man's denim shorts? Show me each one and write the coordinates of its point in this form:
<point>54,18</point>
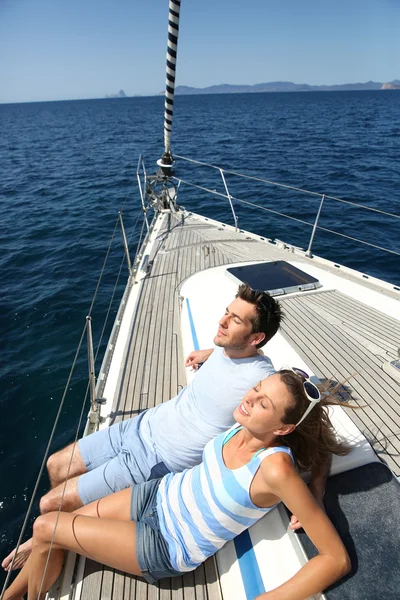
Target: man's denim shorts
<point>116,458</point>
<point>151,548</point>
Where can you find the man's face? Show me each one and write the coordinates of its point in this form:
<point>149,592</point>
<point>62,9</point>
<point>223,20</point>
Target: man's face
<point>235,327</point>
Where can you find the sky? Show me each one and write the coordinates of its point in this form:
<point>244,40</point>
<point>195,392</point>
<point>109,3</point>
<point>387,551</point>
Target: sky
<point>72,49</point>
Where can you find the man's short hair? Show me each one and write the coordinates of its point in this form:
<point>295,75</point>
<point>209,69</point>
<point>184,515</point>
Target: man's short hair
<point>268,311</point>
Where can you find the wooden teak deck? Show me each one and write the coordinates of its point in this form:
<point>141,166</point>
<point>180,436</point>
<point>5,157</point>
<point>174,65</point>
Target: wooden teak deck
<point>337,336</point>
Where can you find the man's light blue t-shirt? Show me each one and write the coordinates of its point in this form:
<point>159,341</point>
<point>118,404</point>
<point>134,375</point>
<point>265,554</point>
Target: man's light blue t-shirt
<point>179,429</point>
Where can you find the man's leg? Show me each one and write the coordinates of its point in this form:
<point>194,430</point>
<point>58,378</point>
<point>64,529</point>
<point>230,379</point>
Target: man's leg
<point>91,456</point>
<point>87,454</point>
<point>65,495</point>
<point>67,462</point>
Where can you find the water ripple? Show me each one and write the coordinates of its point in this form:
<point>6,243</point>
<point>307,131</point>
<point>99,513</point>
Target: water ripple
<point>67,167</point>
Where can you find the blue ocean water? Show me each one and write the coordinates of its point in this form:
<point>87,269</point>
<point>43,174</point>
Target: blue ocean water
<point>66,169</point>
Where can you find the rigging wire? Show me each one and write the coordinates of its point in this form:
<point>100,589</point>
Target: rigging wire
<point>115,287</point>
<point>102,269</point>
<point>44,458</point>
<point>83,408</point>
<point>46,454</point>
<point>64,489</point>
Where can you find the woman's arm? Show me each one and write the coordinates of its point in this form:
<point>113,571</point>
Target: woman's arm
<point>332,562</point>
<point>319,477</point>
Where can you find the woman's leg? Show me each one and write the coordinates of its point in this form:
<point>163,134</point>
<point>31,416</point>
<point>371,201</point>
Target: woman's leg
<point>115,506</point>
<point>19,586</point>
<point>107,541</point>
<point>112,508</point>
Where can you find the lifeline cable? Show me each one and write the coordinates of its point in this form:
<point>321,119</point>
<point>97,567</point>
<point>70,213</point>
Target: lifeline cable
<point>288,187</point>
<point>281,214</point>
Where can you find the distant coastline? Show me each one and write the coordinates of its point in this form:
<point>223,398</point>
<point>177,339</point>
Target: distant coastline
<point>286,86</point>
<point>274,86</point>
<point>271,87</point>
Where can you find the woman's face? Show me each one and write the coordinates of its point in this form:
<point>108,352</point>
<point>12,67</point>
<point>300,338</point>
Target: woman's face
<point>263,406</point>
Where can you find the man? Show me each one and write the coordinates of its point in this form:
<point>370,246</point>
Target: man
<point>170,436</point>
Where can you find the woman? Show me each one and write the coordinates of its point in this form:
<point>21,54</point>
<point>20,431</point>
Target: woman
<point>168,526</point>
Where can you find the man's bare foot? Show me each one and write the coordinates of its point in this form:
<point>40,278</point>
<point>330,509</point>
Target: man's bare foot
<point>22,556</point>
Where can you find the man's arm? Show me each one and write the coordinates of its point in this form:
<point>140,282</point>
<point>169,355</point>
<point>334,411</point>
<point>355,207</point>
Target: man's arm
<point>319,476</point>
<point>197,357</point>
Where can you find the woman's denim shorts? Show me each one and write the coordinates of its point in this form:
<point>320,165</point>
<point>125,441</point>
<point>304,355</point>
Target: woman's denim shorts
<point>151,548</point>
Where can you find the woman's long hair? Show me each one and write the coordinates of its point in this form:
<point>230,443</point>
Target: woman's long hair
<point>315,437</point>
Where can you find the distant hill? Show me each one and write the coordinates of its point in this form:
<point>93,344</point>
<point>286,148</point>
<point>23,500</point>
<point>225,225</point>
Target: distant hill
<point>284,86</point>
<point>121,94</point>
<point>392,85</point>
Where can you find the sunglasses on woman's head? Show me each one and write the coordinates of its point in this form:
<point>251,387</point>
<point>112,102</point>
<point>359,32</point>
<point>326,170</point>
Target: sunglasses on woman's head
<point>310,389</point>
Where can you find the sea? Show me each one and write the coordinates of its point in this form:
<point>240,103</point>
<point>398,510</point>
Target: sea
<point>67,168</point>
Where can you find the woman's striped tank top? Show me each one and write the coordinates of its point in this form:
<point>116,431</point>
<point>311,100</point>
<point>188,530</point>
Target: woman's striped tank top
<point>202,508</point>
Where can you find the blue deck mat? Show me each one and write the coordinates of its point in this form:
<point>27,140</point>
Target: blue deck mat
<point>364,506</point>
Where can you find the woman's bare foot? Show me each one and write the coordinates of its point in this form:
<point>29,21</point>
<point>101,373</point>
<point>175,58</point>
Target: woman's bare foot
<point>11,597</point>
<point>22,556</point>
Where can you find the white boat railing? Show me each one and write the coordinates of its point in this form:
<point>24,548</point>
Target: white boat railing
<point>315,225</point>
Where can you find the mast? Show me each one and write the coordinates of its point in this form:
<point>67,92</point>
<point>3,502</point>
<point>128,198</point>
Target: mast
<point>166,160</point>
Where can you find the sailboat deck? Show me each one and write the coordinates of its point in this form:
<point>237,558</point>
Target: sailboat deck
<point>337,336</point>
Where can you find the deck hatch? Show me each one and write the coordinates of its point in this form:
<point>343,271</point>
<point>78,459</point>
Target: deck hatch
<point>277,278</point>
